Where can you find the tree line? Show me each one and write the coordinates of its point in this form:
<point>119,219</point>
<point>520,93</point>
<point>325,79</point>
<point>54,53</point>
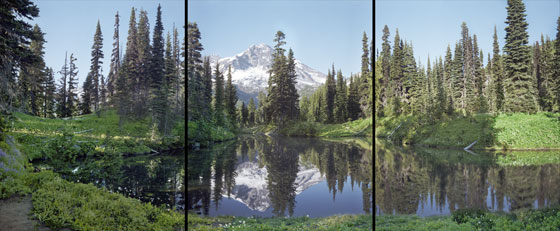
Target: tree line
<point>147,81</point>
<point>333,102</point>
<point>525,78</point>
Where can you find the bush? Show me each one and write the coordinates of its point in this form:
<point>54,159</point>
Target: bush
<point>62,204</point>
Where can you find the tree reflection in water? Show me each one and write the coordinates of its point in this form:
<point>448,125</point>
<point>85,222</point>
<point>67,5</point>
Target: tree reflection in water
<point>287,163</point>
<point>155,179</point>
<point>433,181</point>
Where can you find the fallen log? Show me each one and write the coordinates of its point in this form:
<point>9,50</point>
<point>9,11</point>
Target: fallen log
<point>394,130</point>
<point>470,146</point>
<point>89,130</point>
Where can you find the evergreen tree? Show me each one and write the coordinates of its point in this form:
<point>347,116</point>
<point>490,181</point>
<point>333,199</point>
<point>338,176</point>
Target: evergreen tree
<point>194,47</point>
<point>244,114</point>
<point>365,89</point>
<point>252,111</point>
<point>498,74</point>
<point>448,80</point>
<point>206,99</point>
<point>340,113</point>
<point>518,82</point>
<point>230,100</point>
<point>162,112</point>
<point>96,61</point>
<point>556,66</point>
<point>410,78</point>
<point>386,65</point>
<point>304,108</point>
<point>115,61</point>
<point>441,97</point>
<point>36,70</point>
<point>282,100</point>
<point>261,101</point>
<point>458,77</point>
<point>85,106</point>
<point>14,38</point>
<point>142,81</point>
<point>50,89</point>
<point>396,74</point>
<point>329,100</point>
<point>62,95</point>
<point>72,101</point>
<point>219,96</point>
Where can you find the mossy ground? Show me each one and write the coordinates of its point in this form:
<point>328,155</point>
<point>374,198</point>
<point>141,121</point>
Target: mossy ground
<point>338,222</point>
<point>504,131</point>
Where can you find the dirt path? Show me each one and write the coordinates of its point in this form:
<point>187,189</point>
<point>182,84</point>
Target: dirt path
<point>14,215</point>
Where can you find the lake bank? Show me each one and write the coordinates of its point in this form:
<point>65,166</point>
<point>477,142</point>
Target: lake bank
<point>338,222</point>
<point>542,219</point>
<point>518,131</point>
<point>356,128</point>
<point>59,203</point>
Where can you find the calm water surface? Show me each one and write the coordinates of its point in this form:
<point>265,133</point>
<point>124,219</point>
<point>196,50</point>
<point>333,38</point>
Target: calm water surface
<point>156,179</point>
<point>266,176</point>
<point>430,182</point>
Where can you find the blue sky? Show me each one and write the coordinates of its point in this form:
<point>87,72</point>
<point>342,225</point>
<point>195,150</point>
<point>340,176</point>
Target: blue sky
<point>433,24</point>
<point>70,25</point>
<point>319,32</point>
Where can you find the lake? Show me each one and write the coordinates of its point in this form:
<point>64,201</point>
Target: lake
<point>426,181</point>
<point>281,176</point>
<point>158,179</point>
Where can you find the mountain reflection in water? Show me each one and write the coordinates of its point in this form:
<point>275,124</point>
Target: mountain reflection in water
<point>280,176</point>
<point>427,182</point>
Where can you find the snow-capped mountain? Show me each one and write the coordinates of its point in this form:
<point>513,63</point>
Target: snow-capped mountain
<point>251,186</point>
<point>249,71</point>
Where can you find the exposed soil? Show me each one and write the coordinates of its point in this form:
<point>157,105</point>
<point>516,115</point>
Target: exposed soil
<point>15,215</point>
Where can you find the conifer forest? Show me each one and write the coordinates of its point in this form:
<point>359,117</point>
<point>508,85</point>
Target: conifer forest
<point>469,140</point>
<point>92,149</point>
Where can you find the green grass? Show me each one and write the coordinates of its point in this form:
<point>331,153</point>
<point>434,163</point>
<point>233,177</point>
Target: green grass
<point>135,137</point>
<point>527,158</point>
<point>356,128</point>
<point>206,133</point>
<point>473,219</point>
<point>516,131</point>
<point>338,222</point>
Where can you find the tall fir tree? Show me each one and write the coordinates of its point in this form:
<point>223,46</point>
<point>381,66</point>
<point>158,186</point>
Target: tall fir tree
<point>72,101</point>
<point>556,66</point>
<point>365,83</point>
<point>96,62</point>
<point>518,81</point>
<point>396,74</point>
<point>36,70</point>
<point>85,105</point>
<point>142,81</point>
<point>252,112</point>
<point>497,73</point>
<point>62,93</point>
<point>194,47</point>
<point>49,94</point>
<point>330,96</point>
<point>206,99</point>
<point>386,65</point>
<point>115,61</point>
<point>219,96</point>
<point>340,113</point>
<point>230,101</point>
